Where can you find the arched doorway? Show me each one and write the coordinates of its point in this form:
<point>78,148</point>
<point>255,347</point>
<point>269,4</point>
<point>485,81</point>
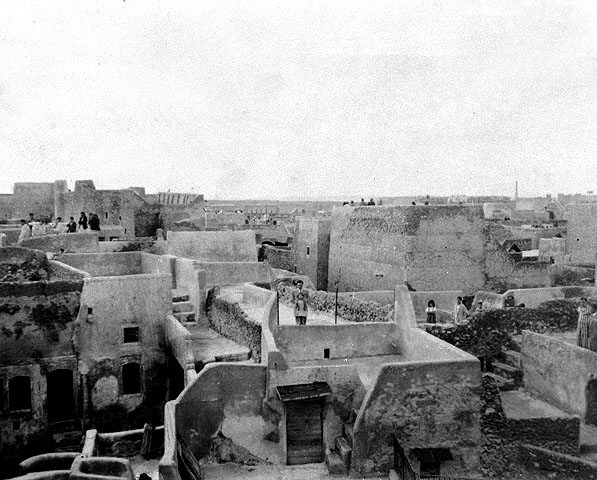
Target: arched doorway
<point>591,402</point>
<point>60,397</point>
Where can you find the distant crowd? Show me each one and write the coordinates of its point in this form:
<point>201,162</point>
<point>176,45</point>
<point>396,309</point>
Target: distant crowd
<point>37,228</point>
<point>363,203</point>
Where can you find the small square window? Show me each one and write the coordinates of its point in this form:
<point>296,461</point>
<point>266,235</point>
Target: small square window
<point>89,311</point>
<point>131,334</point>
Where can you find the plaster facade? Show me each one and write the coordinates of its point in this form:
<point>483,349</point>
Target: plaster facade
<point>311,247</point>
<point>581,239</point>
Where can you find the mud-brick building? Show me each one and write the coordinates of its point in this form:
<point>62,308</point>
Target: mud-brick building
<point>39,394</point>
<point>365,397</point>
<point>81,346</point>
<point>432,247</point>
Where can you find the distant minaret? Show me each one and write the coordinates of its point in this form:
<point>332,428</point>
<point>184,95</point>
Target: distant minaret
<point>516,191</point>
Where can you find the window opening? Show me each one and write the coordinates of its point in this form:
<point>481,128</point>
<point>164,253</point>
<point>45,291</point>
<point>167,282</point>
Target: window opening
<point>131,334</point>
<point>19,393</point>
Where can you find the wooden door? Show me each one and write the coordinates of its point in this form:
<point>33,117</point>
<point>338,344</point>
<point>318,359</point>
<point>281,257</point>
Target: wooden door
<point>304,431</point>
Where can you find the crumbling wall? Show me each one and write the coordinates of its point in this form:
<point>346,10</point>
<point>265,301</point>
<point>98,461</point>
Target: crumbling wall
<point>422,405</point>
<point>228,319</point>
<point>279,258</point>
<point>503,436</point>
<point>108,305</point>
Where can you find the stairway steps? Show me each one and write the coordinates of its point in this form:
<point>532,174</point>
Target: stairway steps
<point>512,358</point>
<point>507,371</point>
<point>335,464</point>
<point>504,384</point>
<point>344,450</point>
<point>182,307</point>
<point>178,296</point>
<point>185,316</point>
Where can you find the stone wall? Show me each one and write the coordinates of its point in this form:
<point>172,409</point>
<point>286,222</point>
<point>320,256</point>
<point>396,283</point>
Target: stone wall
<point>349,309</point>
<point>423,405</point>
<point>503,436</point>
<point>229,320</point>
<point>222,246</point>
<point>548,463</point>
<point>311,246</point>
<point>558,372</point>
<point>447,247</point>
<point>279,258</point>
<point>219,391</point>
<point>581,239</point>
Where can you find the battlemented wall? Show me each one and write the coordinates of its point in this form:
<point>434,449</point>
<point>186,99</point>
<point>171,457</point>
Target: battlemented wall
<point>581,240</point>
<point>434,247</point>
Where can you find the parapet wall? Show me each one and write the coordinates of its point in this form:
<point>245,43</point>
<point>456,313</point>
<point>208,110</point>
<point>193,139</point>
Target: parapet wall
<point>234,273</point>
<point>219,246</point>
<point>308,342</point>
<point>105,264</point>
<point>71,243</point>
<point>557,372</point>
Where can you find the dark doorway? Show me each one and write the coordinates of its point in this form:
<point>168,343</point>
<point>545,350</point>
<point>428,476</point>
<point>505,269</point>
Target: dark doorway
<point>401,464</point>
<point>304,431</point>
<point>591,400</point>
<point>61,402</point>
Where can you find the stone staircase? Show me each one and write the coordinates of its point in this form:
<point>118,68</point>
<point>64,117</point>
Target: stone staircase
<point>67,436</point>
<point>181,306</point>
<point>337,459</point>
<point>507,372</point>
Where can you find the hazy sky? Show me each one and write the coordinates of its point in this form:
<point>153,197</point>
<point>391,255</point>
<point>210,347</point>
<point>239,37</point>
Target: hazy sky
<point>276,99</point>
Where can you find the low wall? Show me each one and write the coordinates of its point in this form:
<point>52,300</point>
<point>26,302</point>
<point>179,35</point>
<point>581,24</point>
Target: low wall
<point>383,297</point>
<point>256,295</point>
<point>62,271</point>
<point>491,300</point>
<point>349,309</point>
<point>157,263</point>
<point>557,372</point>
<point>443,300</point>
<point>218,391</point>
<point>70,242</point>
<point>228,319</point>
<point>105,264</point>
<point>279,258</point>
<point>307,342</point>
<point>541,459</point>
<point>218,246</point>
<point>234,273</point>
<point>179,340</point>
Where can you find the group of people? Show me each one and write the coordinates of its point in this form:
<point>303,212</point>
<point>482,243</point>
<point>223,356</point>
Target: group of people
<point>461,313</point>
<point>370,203</point>
<point>37,228</point>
